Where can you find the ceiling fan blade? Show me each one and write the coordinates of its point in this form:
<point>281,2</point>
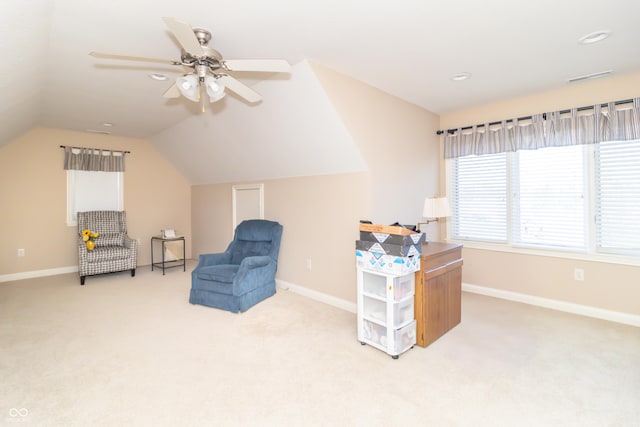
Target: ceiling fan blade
<point>134,58</point>
<point>267,65</point>
<point>172,92</point>
<point>240,89</point>
<point>184,34</point>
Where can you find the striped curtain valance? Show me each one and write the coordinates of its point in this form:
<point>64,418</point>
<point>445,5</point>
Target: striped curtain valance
<point>614,121</point>
<point>93,159</point>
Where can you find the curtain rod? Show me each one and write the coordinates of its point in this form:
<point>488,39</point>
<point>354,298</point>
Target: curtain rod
<point>103,149</point>
<point>544,116</point>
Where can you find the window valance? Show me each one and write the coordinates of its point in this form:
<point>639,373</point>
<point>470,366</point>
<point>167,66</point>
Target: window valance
<point>93,159</point>
<point>614,121</point>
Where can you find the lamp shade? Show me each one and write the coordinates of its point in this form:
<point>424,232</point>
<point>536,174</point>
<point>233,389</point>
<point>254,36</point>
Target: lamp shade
<point>215,88</point>
<point>436,207</point>
<point>189,87</point>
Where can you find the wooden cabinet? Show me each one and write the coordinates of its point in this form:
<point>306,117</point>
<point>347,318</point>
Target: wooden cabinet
<point>438,292</point>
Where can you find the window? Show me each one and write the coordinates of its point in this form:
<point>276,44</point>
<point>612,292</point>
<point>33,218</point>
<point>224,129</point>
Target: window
<point>90,190</point>
<point>617,197</point>
<point>94,180</point>
<point>549,197</point>
<point>479,201</point>
<point>580,198</point>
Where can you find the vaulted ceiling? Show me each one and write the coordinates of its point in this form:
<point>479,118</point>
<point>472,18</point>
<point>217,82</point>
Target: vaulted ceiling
<point>407,48</point>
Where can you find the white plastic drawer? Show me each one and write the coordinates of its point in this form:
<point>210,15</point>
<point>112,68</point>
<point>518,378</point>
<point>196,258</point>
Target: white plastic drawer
<point>401,286</point>
<point>374,284</point>
<point>377,310</point>
<point>403,312</point>
<point>374,309</point>
<point>405,337</point>
<point>374,333</point>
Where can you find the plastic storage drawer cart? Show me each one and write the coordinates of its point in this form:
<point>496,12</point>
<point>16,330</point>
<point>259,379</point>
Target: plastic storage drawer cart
<point>385,311</point>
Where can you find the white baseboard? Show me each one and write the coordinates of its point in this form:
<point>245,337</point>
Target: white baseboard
<point>584,310</point>
<point>318,296</point>
<point>38,273</point>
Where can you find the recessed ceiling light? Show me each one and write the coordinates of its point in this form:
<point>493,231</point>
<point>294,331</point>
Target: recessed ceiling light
<point>107,124</point>
<point>159,77</point>
<point>460,76</point>
<point>594,37</point>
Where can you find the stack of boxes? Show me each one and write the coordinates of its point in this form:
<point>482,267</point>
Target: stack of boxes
<point>389,249</point>
<point>386,259</point>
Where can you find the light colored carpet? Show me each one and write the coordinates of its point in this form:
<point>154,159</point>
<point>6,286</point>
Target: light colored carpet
<point>124,351</point>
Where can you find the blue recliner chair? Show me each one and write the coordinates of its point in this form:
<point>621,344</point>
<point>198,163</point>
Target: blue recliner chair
<point>244,274</point>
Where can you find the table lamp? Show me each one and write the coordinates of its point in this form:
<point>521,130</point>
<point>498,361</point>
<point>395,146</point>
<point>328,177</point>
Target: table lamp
<point>434,208</point>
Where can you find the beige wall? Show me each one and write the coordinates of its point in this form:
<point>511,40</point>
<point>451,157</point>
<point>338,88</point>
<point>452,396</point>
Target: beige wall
<point>319,215</point>
<point>397,140</point>
<point>607,286</point>
<point>211,218</point>
<point>33,194</point>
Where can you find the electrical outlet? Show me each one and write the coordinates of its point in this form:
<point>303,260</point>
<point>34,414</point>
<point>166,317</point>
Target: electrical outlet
<point>21,252</point>
<point>578,274</point>
<point>309,264</point>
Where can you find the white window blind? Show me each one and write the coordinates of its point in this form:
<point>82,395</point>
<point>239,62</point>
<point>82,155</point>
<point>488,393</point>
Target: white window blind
<point>552,198</point>
<point>549,198</point>
<point>617,197</point>
<point>89,191</point>
<point>479,202</point>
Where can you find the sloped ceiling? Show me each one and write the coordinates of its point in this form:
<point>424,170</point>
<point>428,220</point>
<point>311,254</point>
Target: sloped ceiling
<point>23,33</point>
<point>407,48</point>
<point>294,132</point>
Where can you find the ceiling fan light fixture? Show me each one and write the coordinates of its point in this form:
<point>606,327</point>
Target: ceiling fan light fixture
<point>189,87</point>
<point>204,62</point>
<point>215,88</point>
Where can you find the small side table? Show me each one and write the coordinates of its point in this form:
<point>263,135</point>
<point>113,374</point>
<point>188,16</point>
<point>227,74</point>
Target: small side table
<point>169,264</point>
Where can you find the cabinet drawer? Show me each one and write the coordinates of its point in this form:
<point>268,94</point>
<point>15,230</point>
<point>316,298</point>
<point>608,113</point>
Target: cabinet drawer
<point>438,260</point>
<point>376,310</point>
<point>376,284</point>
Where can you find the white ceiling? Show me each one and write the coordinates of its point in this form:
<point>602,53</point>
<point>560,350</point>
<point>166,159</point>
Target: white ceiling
<point>408,48</point>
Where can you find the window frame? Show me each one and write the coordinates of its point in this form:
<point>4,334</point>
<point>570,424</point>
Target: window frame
<point>72,194</point>
<point>590,253</point>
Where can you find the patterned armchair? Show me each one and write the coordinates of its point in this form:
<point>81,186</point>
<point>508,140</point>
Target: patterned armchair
<point>114,250</point>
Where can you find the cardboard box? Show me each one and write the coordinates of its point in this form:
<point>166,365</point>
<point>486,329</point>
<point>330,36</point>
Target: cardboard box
<point>393,239</point>
<point>389,264</point>
<point>386,249</point>
<point>391,229</point>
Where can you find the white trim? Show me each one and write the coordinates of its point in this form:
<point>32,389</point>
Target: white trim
<point>583,310</point>
<point>318,296</point>
<point>502,247</point>
<point>234,190</point>
<point>37,273</point>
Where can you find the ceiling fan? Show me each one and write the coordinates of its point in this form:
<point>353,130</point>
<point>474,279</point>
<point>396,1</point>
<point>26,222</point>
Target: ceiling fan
<point>209,69</point>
